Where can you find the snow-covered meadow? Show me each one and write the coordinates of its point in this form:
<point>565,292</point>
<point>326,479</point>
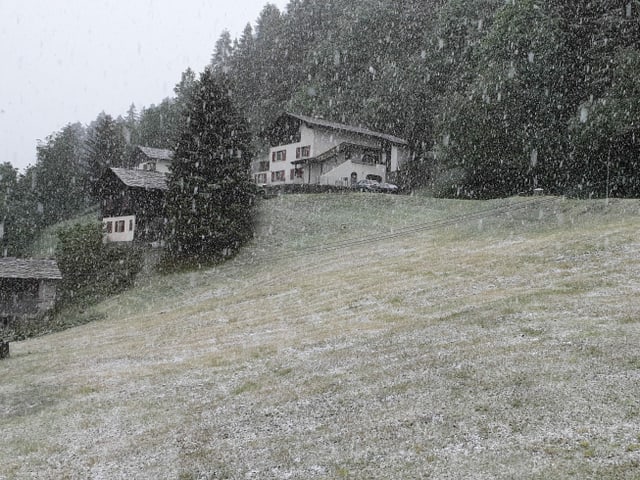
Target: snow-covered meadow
<point>360,336</point>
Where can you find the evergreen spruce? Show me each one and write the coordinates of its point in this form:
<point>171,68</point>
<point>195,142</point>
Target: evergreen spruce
<point>211,196</point>
<point>105,148</point>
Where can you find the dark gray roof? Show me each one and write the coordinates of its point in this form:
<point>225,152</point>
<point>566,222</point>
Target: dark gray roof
<point>149,180</point>
<point>347,128</point>
<point>157,153</point>
<point>35,268</point>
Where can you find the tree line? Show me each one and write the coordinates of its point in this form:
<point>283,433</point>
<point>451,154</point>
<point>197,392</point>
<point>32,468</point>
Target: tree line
<point>494,97</point>
<point>61,184</point>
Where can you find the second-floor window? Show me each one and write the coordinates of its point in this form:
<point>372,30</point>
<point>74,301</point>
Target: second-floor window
<point>263,166</point>
<point>369,158</point>
<point>303,152</point>
<point>279,156</point>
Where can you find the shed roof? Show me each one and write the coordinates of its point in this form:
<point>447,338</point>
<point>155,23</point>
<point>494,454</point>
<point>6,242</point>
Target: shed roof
<point>156,153</point>
<point>347,128</point>
<point>148,180</point>
<point>33,268</point>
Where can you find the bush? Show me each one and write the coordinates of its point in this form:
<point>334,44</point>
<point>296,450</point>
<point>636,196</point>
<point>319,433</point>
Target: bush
<point>92,270</point>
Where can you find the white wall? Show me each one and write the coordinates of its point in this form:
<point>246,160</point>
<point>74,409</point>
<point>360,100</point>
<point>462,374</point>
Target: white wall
<point>124,236</point>
<point>157,166</point>
<point>306,139</point>
<point>163,166</point>
<point>399,155</point>
<point>320,140</point>
<point>337,175</point>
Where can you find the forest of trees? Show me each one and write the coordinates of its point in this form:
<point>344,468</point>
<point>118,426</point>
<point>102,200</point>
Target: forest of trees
<point>494,97</point>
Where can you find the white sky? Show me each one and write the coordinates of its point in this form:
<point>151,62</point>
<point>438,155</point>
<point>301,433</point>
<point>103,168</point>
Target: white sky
<point>65,61</point>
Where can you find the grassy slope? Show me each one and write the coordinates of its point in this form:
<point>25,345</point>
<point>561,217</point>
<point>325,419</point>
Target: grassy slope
<point>501,346</point>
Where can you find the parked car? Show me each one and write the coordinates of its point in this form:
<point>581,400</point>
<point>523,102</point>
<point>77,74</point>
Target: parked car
<point>367,186</point>
<point>387,187</point>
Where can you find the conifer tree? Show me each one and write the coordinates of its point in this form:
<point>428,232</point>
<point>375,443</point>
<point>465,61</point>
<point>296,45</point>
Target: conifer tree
<point>210,200</point>
<point>59,182</point>
<point>221,58</point>
<point>105,147</point>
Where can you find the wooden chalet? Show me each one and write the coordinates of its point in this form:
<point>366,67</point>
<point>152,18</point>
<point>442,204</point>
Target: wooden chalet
<point>27,288</point>
<point>133,204</point>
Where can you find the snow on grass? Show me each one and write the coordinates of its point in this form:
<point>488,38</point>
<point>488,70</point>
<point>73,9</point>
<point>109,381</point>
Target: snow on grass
<point>506,349</point>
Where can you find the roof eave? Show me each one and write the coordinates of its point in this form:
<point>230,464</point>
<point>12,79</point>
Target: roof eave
<point>347,128</point>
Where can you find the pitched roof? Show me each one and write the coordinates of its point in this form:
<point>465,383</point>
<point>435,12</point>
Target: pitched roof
<point>35,268</point>
<point>149,180</point>
<point>157,153</point>
<point>347,128</point>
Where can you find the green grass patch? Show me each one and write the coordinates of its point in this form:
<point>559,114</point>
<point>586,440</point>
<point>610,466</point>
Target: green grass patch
<point>485,341</point>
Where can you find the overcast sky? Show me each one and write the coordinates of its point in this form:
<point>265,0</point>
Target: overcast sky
<point>65,61</point>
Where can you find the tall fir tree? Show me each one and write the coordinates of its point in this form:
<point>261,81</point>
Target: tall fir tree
<point>211,195</point>
<point>8,186</point>
<point>105,147</point>
<point>60,184</point>
<point>25,215</point>
<point>221,58</point>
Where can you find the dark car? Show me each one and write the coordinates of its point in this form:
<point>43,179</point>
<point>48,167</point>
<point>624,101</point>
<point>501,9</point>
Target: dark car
<point>367,186</point>
<point>387,187</point>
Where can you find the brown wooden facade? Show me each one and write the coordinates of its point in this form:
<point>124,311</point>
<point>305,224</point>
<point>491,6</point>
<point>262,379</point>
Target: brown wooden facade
<point>28,289</point>
<point>140,193</point>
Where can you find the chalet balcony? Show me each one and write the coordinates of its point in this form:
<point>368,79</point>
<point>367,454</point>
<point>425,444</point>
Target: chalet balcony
<point>366,161</point>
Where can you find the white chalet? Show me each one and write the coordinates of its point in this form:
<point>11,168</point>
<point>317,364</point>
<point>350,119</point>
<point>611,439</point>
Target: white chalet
<point>307,150</point>
<point>153,159</point>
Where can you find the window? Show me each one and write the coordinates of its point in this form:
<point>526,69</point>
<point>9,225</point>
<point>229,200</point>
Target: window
<point>278,176</point>
<point>368,159</point>
<point>119,226</point>
<point>263,166</point>
<point>131,225</point>
<point>296,173</point>
<point>261,178</point>
<point>279,156</point>
<point>109,227</point>
<point>303,152</point>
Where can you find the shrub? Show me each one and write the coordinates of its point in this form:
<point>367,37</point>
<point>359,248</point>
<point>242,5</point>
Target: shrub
<point>92,270</point>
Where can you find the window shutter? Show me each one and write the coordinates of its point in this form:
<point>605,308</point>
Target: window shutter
<point>273,156</point>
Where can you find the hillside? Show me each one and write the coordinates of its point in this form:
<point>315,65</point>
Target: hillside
<point>360,336</point>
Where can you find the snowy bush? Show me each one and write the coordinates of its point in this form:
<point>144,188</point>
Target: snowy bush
<point>92,269</point>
